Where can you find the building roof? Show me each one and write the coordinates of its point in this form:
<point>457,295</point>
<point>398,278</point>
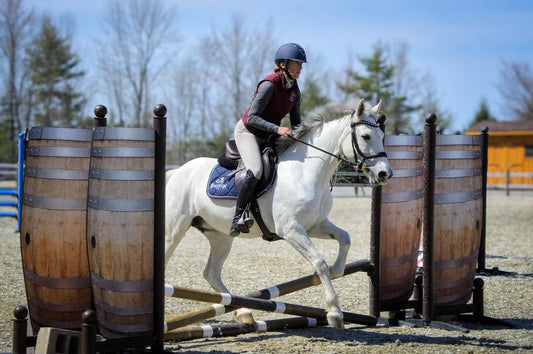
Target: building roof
<point>499,126</point>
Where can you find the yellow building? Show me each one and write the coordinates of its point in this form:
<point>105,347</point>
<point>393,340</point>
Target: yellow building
<point>510,151</point>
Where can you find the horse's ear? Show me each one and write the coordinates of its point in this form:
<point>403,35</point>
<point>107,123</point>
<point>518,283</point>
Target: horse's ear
<point>360,107</point>
<point>377,108</point>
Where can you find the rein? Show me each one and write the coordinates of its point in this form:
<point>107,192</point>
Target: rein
<point>355,146</point>
<point>324,151</point>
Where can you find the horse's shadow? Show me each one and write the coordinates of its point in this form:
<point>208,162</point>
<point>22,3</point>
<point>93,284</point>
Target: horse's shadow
<point>356,337</point>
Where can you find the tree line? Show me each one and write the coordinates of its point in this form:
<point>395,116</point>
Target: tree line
<point>139,61</point>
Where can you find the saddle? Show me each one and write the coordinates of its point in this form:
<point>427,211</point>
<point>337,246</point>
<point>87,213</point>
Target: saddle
<point>231,160</point>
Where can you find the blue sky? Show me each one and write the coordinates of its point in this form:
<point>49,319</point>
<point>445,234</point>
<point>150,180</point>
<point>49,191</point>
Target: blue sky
<point>461,44</point>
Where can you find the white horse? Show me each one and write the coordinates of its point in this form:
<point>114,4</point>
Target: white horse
<point>296,207</point>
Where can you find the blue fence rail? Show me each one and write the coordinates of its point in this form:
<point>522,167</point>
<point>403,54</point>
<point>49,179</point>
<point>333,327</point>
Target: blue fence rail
<point>9,172</point>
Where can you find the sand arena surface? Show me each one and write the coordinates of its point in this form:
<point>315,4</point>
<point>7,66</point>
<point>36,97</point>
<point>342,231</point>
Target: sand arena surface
<point>255,264</point>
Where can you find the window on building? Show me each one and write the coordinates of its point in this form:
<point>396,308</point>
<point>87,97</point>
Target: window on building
<point>529,150</point>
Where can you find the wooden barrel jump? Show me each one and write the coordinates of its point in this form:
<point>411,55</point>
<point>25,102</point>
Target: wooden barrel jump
<point>458,216</point>
<point>53,225</point>
<point>120,232</point>
<point>401,214</point>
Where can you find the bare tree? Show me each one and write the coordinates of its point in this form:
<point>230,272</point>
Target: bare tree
<point>516,87</point>
<point>185,105</point>
<point>239,58</point>
<point>136,34</point>
<point>16,25</point>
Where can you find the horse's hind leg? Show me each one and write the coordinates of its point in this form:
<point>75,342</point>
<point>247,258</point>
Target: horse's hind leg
<point>220,245</point>
<point>174,233</point>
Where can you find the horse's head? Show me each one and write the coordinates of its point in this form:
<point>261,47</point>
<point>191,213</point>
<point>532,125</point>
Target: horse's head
<point>366,145</point>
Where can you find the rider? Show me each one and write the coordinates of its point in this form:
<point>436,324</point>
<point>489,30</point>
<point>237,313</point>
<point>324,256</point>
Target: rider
<point>275,95</point>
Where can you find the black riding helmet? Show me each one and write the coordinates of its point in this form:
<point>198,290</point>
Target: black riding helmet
<point>290,51</point>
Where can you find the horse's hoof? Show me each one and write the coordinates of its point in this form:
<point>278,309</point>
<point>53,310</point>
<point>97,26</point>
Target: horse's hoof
<point>244,316</point>
<point>334,274</point>
<point>335,320</point>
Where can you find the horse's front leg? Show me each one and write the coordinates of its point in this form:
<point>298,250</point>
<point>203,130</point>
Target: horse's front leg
<point>299,239</point>
<point>328,230</point>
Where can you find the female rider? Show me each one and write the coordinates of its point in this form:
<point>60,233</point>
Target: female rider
<point>275,95</point>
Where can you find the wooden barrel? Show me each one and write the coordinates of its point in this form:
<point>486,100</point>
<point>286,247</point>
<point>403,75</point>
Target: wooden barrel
<point>458,217</point>
<point>120,229</point>
<point>401,215</point>
<point>52,231</point>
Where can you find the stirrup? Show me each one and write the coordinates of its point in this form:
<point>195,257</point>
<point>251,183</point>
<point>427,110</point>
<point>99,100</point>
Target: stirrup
<point>245,222</point>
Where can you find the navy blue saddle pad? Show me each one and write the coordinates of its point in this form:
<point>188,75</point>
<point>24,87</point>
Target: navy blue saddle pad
<point>221,183</point>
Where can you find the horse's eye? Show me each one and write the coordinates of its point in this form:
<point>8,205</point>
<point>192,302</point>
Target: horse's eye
<point>366,137</point>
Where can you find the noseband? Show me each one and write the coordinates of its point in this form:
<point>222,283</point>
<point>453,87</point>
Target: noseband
<point>355,146</point>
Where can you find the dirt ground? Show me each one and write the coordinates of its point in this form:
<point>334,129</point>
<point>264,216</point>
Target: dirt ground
<point>255,264</point>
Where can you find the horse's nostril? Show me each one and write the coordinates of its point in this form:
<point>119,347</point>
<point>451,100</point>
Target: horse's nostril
<point>382,175</point>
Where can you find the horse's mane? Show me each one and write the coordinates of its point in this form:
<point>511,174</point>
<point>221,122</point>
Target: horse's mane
<point>313,121</point>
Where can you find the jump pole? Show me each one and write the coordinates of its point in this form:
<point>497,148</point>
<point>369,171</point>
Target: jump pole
<point>262,304</point>
<point>266,293</point>
<point>233,329</point>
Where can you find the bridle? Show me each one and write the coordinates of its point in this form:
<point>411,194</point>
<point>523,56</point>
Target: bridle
<point>355,146</point>
<point>360,165</point>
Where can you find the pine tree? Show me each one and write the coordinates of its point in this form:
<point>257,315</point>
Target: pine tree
<point>53,73</point>
<point>312,96</point>
<point>482,113</point>
<point>377,84</point>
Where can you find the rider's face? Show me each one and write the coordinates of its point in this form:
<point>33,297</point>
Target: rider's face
<point>294,68</point>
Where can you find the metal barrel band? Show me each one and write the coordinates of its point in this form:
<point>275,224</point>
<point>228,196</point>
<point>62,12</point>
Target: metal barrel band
<point>80,175</point>
<point>123,285</point>
<point>56,151</point>
<point>122,205</point>
<point>147,309</point>
<point>113,133</point>
<point>122,152</point>
<point>397,261</point>
<point>37,201</point>
<point>398,197</point>
<point>403,140</point>
<point>405,155</point>
<point>67,307</point>
<point>57,283</point>
<point>70,134</point>
<point>457,197</point>
<point>458,139</point>
<point>459,154</point>
<point>457,173</point>
<point>122,175</point>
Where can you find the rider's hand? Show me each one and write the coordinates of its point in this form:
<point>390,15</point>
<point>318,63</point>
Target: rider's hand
<point>284,131</point>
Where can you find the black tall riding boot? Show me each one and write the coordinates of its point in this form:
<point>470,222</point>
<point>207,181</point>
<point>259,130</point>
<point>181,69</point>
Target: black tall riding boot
<point>243,198</point>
